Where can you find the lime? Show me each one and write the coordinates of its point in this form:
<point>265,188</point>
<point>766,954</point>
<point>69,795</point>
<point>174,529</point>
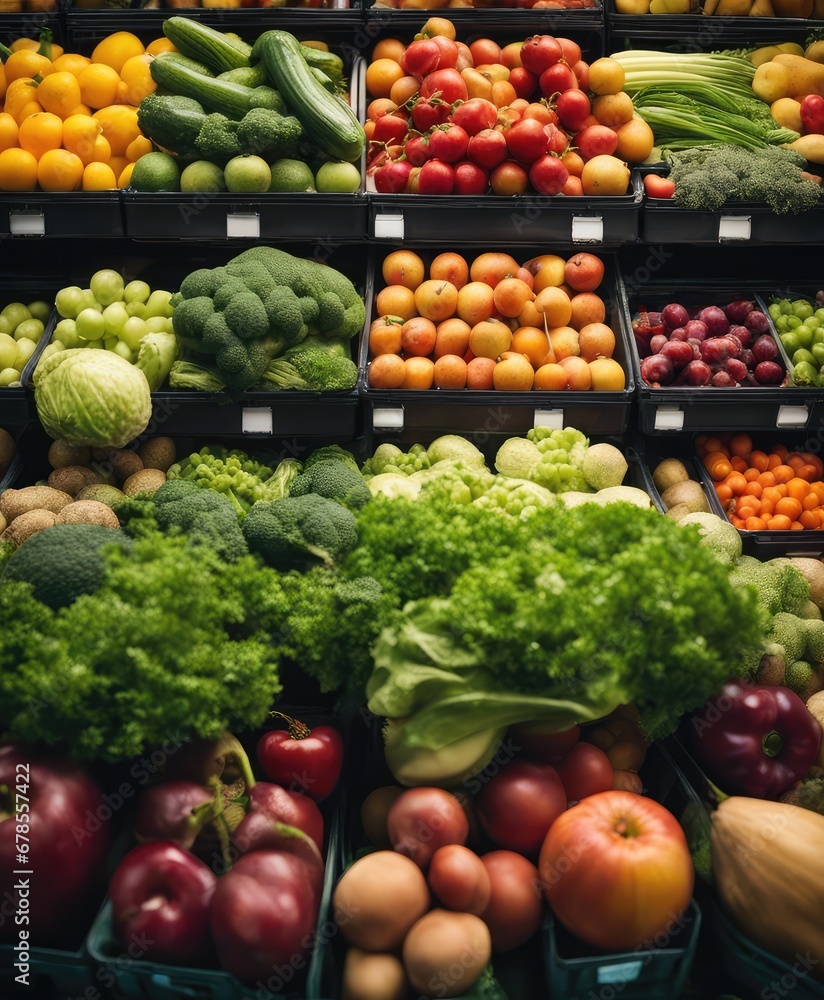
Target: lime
<point>156,172</point>
<point>247,175</point>
<point>292,175</point>
<point>202,176</point>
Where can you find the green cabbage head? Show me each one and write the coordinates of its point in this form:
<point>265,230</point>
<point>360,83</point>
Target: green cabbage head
<point>92,397</point>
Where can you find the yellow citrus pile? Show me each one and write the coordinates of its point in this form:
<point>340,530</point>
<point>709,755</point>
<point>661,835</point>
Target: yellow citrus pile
<point>69,122</point>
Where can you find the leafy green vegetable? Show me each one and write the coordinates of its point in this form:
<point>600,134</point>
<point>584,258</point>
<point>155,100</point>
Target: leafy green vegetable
<point>565,624</point>
<point>175,644</point>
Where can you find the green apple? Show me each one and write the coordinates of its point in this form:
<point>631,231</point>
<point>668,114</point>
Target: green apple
<point>25,349</point>
<point>91,325</point>
<point>107,286</point>
<point>247,174</point>
<point>66,332</point>
<point>29,329</point>
<point>69,301</point>
<point>125,352</point>
<point>40,310</point>
<point>115,316</point>
<point>8,350</point>
<point>158,304</point>
<point>338,178</point>
<point>8,376</point>
<point>136,309</point>
<point>134,330</point>
<point>17,313</point>
<point>136,291</point>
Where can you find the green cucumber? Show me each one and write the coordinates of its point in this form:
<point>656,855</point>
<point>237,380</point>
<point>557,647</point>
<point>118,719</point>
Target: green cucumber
<point>207,45</point>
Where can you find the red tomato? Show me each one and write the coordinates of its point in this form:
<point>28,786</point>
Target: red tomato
<point>427,113</point>
<point>448,83</point>
<point>571,50</point>
<point>596,140</point>
<point>448,143</point>
<point>548,175</point>
<point>421,820</point>
<point>417,150</point>
<point>475,115</point>
<point>526,140</point>
<point>556,140</point>
<point>585,771</point>
<point>421,57</point>
<point>436,177</point>
<point>487,148</point>
<point>519,805</point>
<point>448,51</point>
<point>557,79</point>
<point>485,51</point>
<point>459,879</point>
<point>470,178</point>
<point>390,128</point>
<point>616,870</point>
<point>581,71</point>
<point>523,82</point>
<point>515,906</point>
<point>540,52</point>
<point>302,759</point>
<point>541,744</point>
<point>657,186</point>
<point>465,60</point>
<point>572,108</point>
<point>540,111</point>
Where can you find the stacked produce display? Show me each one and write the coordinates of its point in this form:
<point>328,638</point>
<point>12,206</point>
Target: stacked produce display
<point>387,617</point>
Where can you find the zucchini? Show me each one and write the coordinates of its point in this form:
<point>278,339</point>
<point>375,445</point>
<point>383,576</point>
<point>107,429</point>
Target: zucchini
<point>326,119</point>
<point>248,76</point>
<point>200,42</point>
<point>191,64</point>
<point>231,99</point>
<point>326,62</point>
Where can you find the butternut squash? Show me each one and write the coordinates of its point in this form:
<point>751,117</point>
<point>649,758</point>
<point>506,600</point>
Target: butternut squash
<point>806,76</point>
<point>768,870</point>
<point>811,147</point>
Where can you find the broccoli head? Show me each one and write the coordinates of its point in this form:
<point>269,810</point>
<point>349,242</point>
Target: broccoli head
<point>203,282</point>
<point>323,372</point>
<point>217,139</point>
<point>331,313</point>
<point>780,587</point>
<point>284,313</point>
<point>191,316</point>
<point>269,134</point>
<point>789,633</point>
<point>298,532</point>
<point>203,515</point>
<point>332,451</point>
<point>334,480</point>
<point>246,316</point>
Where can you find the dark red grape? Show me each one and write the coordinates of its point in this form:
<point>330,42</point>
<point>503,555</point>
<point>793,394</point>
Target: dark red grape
<point>748,358</point>
<point>679,352</point>
<point>736,368</point>
<point>657,342</point>
<point>723,380</point>
<point>696,373</point>
<point>736,344</point>
<point>768,373</point>
<point>716,350</point>
<point>695,328</point>
<point>674,315</point>
<point>738,311</point>
<point>657,368</point>
<point>765,349</point>
<point>716,320</point>
<point>757,322</point>
<point>680,333</point>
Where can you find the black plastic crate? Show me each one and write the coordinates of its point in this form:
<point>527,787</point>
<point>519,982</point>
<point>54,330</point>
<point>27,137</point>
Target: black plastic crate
<point>29,24</point>
<point>705,408</point>
<point>60,213</point>
<point>491,18</point>
<point>416,414</point>
<point>585,222</point>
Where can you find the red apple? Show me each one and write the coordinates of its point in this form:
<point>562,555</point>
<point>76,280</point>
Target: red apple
<point>584,272</point>
<point>616,870</point>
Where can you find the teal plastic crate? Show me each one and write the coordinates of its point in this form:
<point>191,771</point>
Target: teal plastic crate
<point>574,971</point>
<point>52,972</point>
<point>127,978</point>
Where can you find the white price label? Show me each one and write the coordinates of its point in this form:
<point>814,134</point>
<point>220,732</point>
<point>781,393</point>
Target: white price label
<point>257,420</point>
<point>387,418</point>
<point>734,227</point>
<point>669,418</point>
<point>27,223</point>
<point>553,419</point>
<point>587,229</point>
<point>792,416</point>
<point>389,226</point>
<point>243,225</point>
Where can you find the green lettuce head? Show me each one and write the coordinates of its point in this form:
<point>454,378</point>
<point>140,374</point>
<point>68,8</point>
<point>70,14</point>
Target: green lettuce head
<point>92,398</point>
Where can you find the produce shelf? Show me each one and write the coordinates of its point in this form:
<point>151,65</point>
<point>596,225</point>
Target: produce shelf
<point>29,24</point>
<point>672,409</point>
<point>416,414</point>
<point>480,20</point>
<point>61,214</point>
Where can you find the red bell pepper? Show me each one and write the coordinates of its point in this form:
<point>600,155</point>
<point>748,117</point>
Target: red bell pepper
<point>754,740</point>
<point>812,114</point>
